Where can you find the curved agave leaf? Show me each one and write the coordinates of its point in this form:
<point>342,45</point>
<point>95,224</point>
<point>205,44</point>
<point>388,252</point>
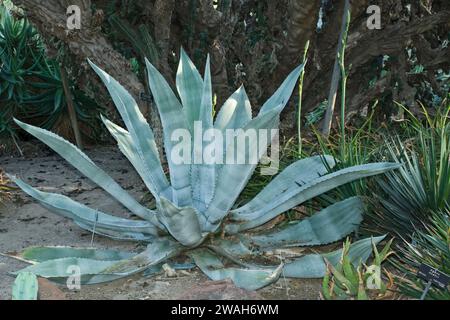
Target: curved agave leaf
<point>170,112</point>
<point>41,254</point>
<point>116,235</point>
<point>182,223</point>
<point>157,252</point>
<point>303,171</point>
<point>206,110</point>
<point>327,226</point>
<point>203,176</point>
<point>127,147</point>
<point>233,178</point>
<point>66,207</point>
<point>141,133</point>
<point>248,279</point>
<point>97,271</point>
<point>284,92</point>
<point>314,265</point>
<point>234,247</point>
<point>58,268</point>
<point>235,113</point>
<point>302,193</point>
<point>238,175</point>
<point>82,163</point>
<point>190,88</point>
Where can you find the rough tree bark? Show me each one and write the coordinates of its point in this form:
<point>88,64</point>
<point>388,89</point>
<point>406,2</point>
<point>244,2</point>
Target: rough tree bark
<point>49,16</point>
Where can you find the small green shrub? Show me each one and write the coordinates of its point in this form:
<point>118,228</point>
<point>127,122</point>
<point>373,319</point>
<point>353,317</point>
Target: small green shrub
<point>357,282</point>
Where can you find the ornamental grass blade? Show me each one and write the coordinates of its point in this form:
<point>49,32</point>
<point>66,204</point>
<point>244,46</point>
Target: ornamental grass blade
<point>327,226</point>
<point>316,187</point>
<point>141,133</point>
<point>82,163</point>
<point>248,279</point>
<point>172,119</point>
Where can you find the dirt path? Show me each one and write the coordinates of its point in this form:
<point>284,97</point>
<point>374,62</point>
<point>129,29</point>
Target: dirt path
<point>24,223</point>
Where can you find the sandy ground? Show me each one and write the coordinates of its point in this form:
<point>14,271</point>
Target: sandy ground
<point>24,223</point>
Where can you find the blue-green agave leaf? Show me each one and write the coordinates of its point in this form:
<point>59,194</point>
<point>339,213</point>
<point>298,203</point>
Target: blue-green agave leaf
<point>80,161</point>
<point>157,252</point>
<point>66,207</point>
<point>25,287</point>
<point>182,223</point>
<point>248,279</point>
<point>303,192</point>
<point>303,170</point>
<point>127,147</point>
<point>141,133</point>
<point>203,175</point>
<point>41,254</point>
<point>172,119</point>
<point>235,113</point>
<point>98,271</point>
<point>327,226</point>
<point>233,178</point>
<point>190,88</point>
<point>284,92</point>
<point>314,265</point>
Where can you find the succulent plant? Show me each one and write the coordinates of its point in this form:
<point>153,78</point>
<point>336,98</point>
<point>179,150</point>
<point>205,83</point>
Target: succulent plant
<point>25,287</point>
<point>345,280</point>
<point>196,209</point>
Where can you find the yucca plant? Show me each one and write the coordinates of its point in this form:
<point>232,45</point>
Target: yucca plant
<point>195,212</point>
<point>422,186</point>
<point>429,246</point>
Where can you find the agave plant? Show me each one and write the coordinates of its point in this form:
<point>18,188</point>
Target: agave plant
<point>195,210</point>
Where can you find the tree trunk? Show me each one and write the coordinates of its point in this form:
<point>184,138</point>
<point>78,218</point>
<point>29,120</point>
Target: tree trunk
<point>49,16</point>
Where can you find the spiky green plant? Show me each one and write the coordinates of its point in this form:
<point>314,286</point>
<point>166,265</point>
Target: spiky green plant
<point>361,282</point>
<point>193,208</point>
<point>430,246</point>
<point>30,83</point>
<point>422,186</point>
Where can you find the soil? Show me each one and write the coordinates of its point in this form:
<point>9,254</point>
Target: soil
<point>25,223</point>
